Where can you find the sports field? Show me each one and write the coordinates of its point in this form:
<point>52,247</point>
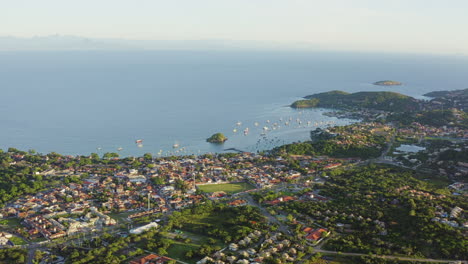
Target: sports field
<point>229,188</point>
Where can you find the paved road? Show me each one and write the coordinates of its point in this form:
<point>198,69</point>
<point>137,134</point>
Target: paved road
<point>30,256</point>
<point>387,257</point>
<point>281,227</point>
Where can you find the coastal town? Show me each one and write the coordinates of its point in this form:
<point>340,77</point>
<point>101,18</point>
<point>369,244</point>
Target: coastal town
<point>160,186</point>
<point>346,196</point>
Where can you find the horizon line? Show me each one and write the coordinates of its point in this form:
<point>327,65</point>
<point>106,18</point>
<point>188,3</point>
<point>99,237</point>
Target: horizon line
<point>219,44</point>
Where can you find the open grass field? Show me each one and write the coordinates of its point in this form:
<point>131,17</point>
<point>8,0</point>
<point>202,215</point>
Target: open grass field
<point>179,249</point>
<point>11,222</point>
<point>121,217</point>
<point>229,188</point>
<point>196,239</point>
<point>195,231</point>
<point>18,241</point>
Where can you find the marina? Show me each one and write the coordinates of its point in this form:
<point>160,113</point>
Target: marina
<point>252,139</point>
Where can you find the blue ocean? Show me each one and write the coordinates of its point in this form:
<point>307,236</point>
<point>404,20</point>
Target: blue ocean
<point>79,102</point>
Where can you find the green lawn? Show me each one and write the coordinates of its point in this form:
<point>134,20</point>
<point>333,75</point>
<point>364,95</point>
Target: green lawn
<point>179,249</point>
<point>11,222</point>
<point>229,188</point>
<point>39,239</point>
<point>434,180</point>
<point>17,240</point>
<point>197,239</point>
<point>121,217</point>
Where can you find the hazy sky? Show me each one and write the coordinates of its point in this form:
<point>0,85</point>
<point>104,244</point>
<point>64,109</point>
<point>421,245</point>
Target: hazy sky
<point>435,26</point>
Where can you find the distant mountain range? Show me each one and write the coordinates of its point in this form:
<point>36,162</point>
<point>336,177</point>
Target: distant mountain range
<point>63,42</point>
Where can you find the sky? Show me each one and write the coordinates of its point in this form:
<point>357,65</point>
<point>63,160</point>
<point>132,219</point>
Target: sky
<point>429,26</point>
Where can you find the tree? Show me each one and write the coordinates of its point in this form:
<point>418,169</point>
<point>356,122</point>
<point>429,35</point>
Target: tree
<point>148,157</point>
<point>189,254</point>
<point>158,180</point>
<point>162,251</point>
<point>110,155</point>
<point>94,156</point>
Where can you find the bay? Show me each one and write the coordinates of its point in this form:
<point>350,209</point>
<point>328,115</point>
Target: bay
<point>74,102</point>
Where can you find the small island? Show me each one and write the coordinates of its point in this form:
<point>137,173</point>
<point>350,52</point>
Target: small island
<point>217,138</point>
<point>387,83</point>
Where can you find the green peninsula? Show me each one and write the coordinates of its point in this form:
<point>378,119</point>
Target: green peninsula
<point>217,138</point>
<point>450,94</point>
<point>388,101</point>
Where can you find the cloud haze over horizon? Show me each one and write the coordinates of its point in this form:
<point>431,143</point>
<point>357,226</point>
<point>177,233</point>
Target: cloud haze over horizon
<point>428,26</point>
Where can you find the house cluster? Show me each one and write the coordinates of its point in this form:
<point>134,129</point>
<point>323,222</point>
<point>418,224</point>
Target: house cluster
<point>364,114</point>
<point>456,99</point>
<point>74,208</point>
<point>453,169</point>
<point>92,190</point>
<point>315,235</point>
<point>47,228</point>
<point>255,248</point>
<point>238,202</point>
<point>406,190</point>
<point>451,218</point>
<point>416,130</point>
<point>59,224</point>
<point>359,134</point>
<point>458,186</point>
<point>281,199</point>
<point>150,259</point>
<point>341,220</point>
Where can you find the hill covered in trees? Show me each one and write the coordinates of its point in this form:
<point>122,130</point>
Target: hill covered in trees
<point>388,101</point>
<point>356,140</point>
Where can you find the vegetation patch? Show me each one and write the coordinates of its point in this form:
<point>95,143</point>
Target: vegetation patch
<point>13,255</point>
<point>120,217</point>
<point>341,142</point>
<point>386,210</point>
<point>18,241</point>
<point>229,188</point>
<point>179,250</point>
<point>11,222</point>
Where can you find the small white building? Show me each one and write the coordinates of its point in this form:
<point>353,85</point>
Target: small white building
<point>144,228</point>
<point>4,238</point>
<point>137,178</point>
<point>233,247</point>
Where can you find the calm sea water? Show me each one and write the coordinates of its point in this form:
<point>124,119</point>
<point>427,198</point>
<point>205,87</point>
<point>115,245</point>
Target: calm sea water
<point>76,102</point>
